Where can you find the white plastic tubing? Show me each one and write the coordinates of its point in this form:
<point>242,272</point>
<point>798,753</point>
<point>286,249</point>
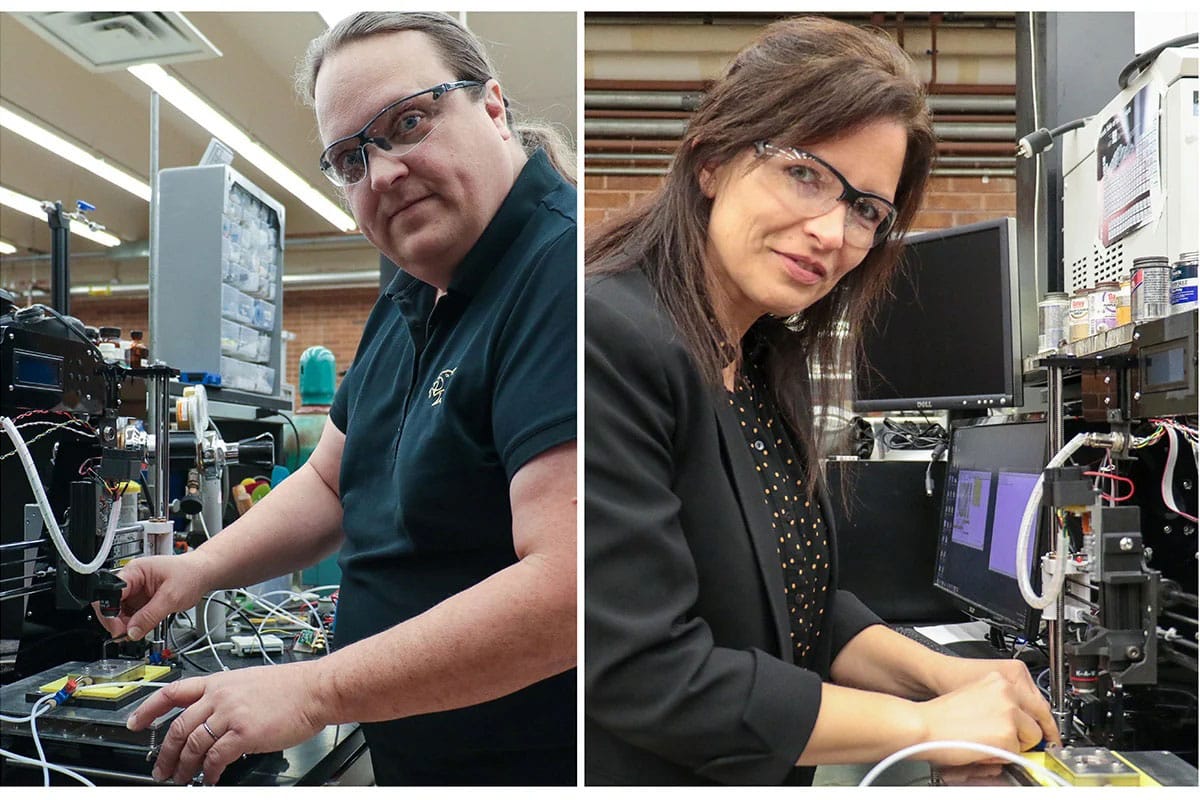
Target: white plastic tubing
<point>995,752</point>
<point>35,483</point>
<point>1025,534</point>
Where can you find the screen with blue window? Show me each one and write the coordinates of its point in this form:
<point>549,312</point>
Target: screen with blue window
<point>990,477</point>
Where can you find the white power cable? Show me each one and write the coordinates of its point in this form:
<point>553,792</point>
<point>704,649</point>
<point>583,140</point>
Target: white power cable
<point>1028,523</point>
<point>70,773</point>
<point>272,608</point>
<point>1037,161</point>
<point>1012,758</point>
<point>279,610</point>
<point>37,740</point>
<point>39,709</point>
<point>220,646</point>
<point>203,525</point>
<point>39,494</point>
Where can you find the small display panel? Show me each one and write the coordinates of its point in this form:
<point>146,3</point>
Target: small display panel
<point>1165,367</point>
<point>37,370</point>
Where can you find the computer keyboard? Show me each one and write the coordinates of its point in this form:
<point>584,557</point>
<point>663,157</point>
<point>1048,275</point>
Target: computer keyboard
<point>974,648</point>
<point>916,636</point>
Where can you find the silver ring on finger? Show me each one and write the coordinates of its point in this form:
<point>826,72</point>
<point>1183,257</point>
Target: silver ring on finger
<point>209,730</point>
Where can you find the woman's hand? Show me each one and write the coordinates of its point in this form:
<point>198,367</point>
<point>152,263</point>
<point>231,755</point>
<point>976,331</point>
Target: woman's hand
<point>998,708</point>
<point>956,673</point>
<point>253,710</point>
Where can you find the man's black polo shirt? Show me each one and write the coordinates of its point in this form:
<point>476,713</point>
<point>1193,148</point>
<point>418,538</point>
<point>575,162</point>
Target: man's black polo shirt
<point>444,403</point>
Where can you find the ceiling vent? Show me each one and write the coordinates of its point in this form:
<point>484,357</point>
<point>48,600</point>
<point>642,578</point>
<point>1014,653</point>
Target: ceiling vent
<point>103,41</point>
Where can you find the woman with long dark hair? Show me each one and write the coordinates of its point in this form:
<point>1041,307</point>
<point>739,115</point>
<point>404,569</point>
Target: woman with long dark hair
<point>717,316</point>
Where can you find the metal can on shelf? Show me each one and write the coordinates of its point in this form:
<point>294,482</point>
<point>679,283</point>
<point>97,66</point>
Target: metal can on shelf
<point>1150,288</point>
<point>1077,316</point>
<point>1124,312</point>
<point>1102,307</point>
<point>1183,283</point>
<point>1052,317</point>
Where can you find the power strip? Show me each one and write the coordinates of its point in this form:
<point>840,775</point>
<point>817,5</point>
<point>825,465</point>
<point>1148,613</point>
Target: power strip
<point>249,646</point>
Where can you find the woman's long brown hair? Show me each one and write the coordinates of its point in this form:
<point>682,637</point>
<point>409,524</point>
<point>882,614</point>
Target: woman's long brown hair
<point>803,81</point>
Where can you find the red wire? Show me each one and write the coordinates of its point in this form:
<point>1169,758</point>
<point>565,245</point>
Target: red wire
<point>1114,477</point>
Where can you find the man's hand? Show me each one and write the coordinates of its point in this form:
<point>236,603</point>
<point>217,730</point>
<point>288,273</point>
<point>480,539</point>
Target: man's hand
<point>253,710</point>
<point>155,586</point>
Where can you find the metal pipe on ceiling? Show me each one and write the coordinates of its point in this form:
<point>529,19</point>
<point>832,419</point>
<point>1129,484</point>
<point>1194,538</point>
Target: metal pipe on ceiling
<point>701,86</point>
<point>942,103</point>
<point>659,157</point>
<point>959,19</point>
<point>311,280</point>
<point>675,128</point>
<point>949,172</point>
<point>136,250</point>
<point>946,162</point>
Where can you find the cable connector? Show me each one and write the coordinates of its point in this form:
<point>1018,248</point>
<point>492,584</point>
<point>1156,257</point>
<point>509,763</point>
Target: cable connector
<point>64,694</point>
<point>1109,441</point>
<point>938,451</point>
<point>1042,139</point>
<point>1037,142</point>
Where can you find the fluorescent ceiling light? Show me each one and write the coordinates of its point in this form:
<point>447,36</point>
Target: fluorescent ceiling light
<point>27,205</point>
<point>6,248</point>
<point>71,152</point>
<point>208,118</point>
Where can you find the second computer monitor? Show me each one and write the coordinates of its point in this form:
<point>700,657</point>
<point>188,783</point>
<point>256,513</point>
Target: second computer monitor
<point>991,475</point>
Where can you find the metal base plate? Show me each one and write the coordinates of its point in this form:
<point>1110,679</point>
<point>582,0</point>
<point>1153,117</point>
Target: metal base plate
<point>85,733</point>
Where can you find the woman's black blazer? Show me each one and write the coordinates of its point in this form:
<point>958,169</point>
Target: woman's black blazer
<point>688,670</point>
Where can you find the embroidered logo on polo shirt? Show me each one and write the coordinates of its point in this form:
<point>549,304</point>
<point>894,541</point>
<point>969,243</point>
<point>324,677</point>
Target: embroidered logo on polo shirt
<point>439,386</point>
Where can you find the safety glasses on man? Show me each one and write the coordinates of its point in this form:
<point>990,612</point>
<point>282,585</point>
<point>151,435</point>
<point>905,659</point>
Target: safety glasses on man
<point>397,129</point>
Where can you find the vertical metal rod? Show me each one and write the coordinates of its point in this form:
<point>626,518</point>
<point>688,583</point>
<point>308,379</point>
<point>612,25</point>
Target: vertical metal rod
<point>60,259</point>
<point>162,434</point>
<point>160,399</point>
<point>1055,628</point>
<point>152,332</point>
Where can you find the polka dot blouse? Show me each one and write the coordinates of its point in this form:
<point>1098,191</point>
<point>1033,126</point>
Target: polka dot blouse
<point>801,537</point>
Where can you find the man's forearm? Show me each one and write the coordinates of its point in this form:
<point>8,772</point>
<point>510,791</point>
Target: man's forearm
<point>507,632</point>
<point>296,525</point>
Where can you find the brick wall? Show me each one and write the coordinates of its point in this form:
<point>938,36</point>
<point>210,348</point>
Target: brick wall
<point>330,317</point>
<point>948,201</point>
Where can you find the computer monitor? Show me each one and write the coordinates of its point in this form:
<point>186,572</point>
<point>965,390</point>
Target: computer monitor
<point>989,479</point>
<point>950,337</point>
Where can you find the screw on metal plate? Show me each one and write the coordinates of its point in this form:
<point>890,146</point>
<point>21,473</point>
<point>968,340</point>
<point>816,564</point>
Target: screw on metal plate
<point>1126,543</point>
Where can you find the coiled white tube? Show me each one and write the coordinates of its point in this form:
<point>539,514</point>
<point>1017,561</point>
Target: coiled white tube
<point>1028,520</point>
<point>39,494</point>
<point>1012,758</point>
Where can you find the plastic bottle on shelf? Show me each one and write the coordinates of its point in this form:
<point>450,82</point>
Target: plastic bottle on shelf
<point>110,345</point>
<point>139,354</point>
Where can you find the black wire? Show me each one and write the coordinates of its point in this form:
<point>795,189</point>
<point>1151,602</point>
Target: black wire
<point>295,430</point>
<point>1138,64</point>
<point>72,328</point>
<point>1068,126</point>
<point>911,436</point>
<point>245,619</point>
<point>180,652</point>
